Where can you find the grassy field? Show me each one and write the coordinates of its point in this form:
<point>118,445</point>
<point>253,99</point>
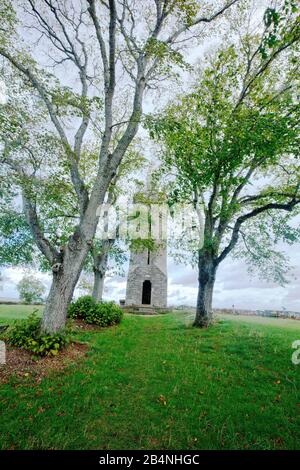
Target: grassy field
<point>157,383</point>
<point>267,321</point>
<point>8,313</point>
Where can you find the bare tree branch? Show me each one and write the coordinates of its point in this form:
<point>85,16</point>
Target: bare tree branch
<point>44,245</point>
<point>200,19</point>
<point>93,14</point>
<point>259,210</point>
<point>37,85</point>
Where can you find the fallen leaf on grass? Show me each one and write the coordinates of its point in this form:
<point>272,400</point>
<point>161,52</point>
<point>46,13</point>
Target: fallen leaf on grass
<point>162,400</point>
<point>278,441</point>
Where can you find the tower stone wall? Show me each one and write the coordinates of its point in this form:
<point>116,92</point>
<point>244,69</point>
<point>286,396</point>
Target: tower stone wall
<point>147,266</point>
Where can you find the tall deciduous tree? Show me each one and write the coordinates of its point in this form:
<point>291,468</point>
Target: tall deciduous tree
<point>31,289</point>
<point>100,42</point>
<point>234,145</point>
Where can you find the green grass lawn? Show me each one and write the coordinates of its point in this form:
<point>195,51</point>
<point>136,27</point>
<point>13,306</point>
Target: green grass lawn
<point>157,383</point>
<point>8,313</point>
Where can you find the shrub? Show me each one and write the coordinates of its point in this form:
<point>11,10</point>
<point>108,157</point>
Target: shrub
<point>27,334</point>
<point>101,314</point>
<point>81,306</point>
<point>104,314</point>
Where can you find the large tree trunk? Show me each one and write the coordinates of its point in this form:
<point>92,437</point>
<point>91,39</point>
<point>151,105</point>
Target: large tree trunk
<point>59,297</point>
<point>100,268</point>
<point>98,287</point>
<point>99,276</point>
<point>65,277</point>
<point>68,265</point>
<point>206,279</point>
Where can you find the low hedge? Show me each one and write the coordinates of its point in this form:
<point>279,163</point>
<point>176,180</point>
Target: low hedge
<point>95,313</point>
<point>80,307</point>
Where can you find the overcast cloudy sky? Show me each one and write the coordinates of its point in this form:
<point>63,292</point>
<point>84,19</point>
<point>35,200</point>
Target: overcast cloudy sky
<point>233,286</point>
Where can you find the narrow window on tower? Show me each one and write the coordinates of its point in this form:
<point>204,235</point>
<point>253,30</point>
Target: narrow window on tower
<point>148,259</point>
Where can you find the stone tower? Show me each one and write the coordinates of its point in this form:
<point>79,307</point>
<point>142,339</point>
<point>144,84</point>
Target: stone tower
<point>147,279</point>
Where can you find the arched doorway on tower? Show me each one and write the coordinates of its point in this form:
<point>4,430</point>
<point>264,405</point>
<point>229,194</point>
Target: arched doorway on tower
<point>146,294</point>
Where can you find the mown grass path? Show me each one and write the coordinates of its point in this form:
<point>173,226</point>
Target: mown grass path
<point>158,383</point>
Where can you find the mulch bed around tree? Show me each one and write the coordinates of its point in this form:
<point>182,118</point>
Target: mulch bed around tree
<point>20,363</point>
<point>80,325</point>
